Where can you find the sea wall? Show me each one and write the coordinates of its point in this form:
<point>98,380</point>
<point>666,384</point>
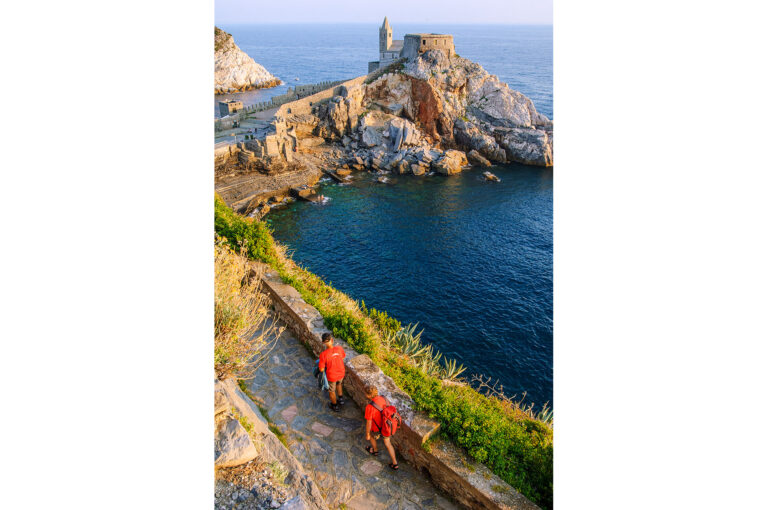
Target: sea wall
<point>304,105</point>
<point>468,482</point>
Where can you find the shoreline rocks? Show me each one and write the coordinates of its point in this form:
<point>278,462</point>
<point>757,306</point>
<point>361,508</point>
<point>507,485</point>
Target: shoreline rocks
<point>234,70</point>
<point>434,115</point>
<point>437,103</point>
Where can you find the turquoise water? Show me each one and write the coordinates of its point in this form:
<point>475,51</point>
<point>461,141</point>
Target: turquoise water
<point>470,261</point>
<point>519,55</point>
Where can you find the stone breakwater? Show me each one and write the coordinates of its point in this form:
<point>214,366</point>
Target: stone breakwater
<point>234,70</point>
<point>430,115</point>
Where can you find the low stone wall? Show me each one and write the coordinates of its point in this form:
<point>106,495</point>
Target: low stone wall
<point>468,482</point>
<point>304,105</point>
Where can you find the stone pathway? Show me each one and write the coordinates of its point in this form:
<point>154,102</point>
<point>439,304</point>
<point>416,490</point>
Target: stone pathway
<point>331,445</point>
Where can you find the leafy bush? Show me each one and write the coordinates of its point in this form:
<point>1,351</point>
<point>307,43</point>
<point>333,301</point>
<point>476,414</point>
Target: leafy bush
<point>383,321</point>
<point>512,443</point>
<point>252,236</point>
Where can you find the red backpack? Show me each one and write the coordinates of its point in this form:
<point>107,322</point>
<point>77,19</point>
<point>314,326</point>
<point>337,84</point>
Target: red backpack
<point>390,419</point>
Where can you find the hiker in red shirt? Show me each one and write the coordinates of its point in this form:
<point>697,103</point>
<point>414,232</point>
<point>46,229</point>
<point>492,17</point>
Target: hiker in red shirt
<point>373,424</point>
<point>332,363</point>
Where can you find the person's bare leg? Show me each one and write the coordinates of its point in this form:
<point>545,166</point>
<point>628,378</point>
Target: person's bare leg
<point>373,444</point>
<point>390,449</point>
<point>338,388</point>
<point>333,397</point>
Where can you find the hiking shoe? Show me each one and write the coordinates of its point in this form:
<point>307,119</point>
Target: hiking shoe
<point>334,407</point>
<point>341,400</point>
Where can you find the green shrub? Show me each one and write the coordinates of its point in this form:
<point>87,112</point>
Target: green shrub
<point>382,320</point>
<point>351,329</point>
<point>254,236</point>
<point>517,449</point>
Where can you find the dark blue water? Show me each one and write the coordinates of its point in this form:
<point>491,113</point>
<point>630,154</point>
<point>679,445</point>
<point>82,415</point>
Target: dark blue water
<point>470,261</point>
<point>519,55</point>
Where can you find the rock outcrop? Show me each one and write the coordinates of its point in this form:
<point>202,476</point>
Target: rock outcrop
<point>436,102</point>
<point>233,445</point>
<point>236,446</point>
<point>235,70</point>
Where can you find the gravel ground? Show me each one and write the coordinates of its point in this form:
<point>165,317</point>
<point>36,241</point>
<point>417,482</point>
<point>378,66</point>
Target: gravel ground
<point>251,486</point>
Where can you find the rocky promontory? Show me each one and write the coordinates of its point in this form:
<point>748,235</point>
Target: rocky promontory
<point>234,70</point>
<point>437,103</point>
<point>432,114</point>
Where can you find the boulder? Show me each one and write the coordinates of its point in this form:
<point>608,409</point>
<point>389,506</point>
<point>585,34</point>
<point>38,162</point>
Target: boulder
<point>402,166</point>
<point>468,135</point>
<point>526,145</point>
<point>371,137</point>
<point>426,154</point>
<point>233,446</point>
<point>475,158</point>
<point>403,133</point>
<point>418,169</point>
<point>451,163</point>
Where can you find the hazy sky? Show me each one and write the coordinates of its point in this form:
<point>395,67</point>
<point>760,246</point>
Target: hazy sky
<point>398,11</point>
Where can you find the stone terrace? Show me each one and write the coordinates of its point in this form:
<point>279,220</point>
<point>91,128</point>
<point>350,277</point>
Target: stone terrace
<point>329,445</point>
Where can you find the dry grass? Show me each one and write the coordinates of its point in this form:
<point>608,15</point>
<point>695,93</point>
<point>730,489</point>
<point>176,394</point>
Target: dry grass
<point>243,336</point>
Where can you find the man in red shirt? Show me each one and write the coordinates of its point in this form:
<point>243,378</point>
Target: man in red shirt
<point>373,423</point>
<point>332,363</point>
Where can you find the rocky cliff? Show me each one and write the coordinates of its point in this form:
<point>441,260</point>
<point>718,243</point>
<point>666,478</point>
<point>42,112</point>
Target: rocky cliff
<point>422,107</point>
<point>235,70</point>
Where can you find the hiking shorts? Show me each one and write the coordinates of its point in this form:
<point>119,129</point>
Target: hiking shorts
<point>332,385</point>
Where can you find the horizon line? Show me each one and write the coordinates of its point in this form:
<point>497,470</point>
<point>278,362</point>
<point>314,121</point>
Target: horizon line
<point>375,22</point>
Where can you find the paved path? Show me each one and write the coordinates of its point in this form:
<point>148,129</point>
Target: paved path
<point>331,445</point>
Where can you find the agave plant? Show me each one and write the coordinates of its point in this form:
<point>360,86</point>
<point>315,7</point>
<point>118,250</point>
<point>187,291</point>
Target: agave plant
<point>433,366</point>
<point>430,361</point>
<point>390,338</point>
<point>546,414</point>
<point>410,343</point>
<point>451,370</point>
<point>412,347</point>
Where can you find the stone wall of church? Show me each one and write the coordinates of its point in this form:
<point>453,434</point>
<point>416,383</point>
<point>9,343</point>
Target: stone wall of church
<point>414,44</point>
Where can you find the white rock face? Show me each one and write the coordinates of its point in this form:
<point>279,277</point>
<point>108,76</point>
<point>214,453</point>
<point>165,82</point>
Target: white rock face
<point>235,70</point>
<point>233,445</point>
<point>500,123</point>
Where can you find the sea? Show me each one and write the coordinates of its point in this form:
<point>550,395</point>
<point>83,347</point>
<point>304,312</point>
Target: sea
<point>470,261</point>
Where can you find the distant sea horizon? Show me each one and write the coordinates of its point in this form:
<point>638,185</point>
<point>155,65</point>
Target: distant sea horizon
<point>520,55</point>
<point>471,262</point>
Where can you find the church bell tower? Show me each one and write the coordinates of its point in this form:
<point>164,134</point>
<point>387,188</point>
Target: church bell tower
<point>385,36</point>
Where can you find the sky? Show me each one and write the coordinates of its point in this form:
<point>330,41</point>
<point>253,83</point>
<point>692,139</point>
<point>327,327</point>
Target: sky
<point>536,12</point>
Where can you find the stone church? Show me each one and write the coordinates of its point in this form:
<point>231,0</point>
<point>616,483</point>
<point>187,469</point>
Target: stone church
<point>409,47</point>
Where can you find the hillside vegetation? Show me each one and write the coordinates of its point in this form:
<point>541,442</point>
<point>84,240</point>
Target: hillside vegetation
<point>513,441</point>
